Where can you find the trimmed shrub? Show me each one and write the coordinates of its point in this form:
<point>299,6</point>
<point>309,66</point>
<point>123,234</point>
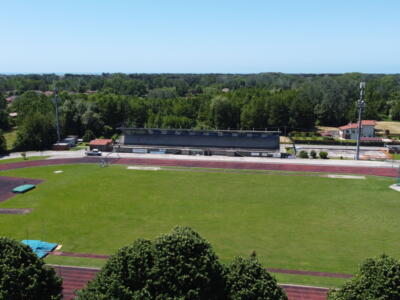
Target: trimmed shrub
<point>24,276</point>
<point>378,278</point>
<point>313,154</point>
<point>323,155</point>
<point>303,154</point>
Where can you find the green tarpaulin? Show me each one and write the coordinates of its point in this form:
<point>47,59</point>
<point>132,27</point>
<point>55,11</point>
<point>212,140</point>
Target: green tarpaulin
<point>23,188</point>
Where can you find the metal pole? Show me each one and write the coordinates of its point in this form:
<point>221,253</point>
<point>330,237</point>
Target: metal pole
<point>361,105</point>
<point>57,118</point>
<point>398,176</point>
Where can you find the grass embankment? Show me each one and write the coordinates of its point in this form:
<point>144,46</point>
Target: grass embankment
<point>292,222</point>
<point>19,159</point>
<point>10,137</point>
<point>392,126</point>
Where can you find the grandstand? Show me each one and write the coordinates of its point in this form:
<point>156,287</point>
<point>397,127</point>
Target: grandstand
<point>200,142</point>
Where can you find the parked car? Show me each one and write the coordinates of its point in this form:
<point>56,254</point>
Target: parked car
<point>94,152</point>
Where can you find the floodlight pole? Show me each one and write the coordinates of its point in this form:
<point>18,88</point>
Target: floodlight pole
<point>361,106</point>
<point>57,117</point>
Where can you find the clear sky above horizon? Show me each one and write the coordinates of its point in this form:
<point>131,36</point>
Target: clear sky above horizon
<point>204,36</point>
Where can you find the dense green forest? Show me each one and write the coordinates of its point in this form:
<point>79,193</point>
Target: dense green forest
<point>96,105</point>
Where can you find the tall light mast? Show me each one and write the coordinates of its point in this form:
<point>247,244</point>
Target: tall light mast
<point>56,100</point>
<point>361,106</point>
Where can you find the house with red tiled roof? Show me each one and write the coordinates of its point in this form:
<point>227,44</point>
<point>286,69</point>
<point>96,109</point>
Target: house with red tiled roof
<point>350,131</point>
<point>101,144</point>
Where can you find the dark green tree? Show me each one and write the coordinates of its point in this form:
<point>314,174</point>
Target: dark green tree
<point>247,279</point>
<point>88,136</point>
<point>4,122</point>
<point>395,110</point>
<point>3,144</point>
<point>377,279</point>
<point>31,102</point>
<point>24,276</point>
<point>126,275</point>
<point>254,115</point>
<point>224,114</point>
<point>186,267</point>
<point>36,132</point>
<point>178,265</point>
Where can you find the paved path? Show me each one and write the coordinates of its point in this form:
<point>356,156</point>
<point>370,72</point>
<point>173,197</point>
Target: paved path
<point>334,162</point>
<point>75,278</point>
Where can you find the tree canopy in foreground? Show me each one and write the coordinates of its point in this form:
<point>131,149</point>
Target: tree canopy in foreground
<point>179,265</point>
<point>377,279</point>
<point>24,276</point>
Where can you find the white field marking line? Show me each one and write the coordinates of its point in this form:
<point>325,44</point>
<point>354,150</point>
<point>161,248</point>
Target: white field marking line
<point>144,168</point>
<point>344,176</point>
<point>58,172</point>
<point>395,187</point>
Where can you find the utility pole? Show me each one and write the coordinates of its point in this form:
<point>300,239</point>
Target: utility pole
<point>56,101</point>
<point>361,106</point>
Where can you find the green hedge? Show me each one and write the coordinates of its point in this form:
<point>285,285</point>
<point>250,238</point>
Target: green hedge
<point>309,141</point>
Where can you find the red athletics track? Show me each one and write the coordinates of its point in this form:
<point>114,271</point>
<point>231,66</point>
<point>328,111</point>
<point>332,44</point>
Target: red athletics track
<point>278,166</point>
<point>75,278</point>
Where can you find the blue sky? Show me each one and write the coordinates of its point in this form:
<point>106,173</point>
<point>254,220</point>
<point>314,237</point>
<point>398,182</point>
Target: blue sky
<point>298,36</point>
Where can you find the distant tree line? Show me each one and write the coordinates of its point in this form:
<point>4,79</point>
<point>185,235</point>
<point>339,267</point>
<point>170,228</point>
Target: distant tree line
<point>96,105</point>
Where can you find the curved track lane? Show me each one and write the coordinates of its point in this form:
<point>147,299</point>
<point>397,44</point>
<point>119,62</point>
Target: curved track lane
<point>278,166</point>
<point>75,278</point>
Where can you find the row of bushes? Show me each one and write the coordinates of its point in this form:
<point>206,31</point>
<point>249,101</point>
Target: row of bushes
<point>178,265</point>
<point>313,154</point>
<point>313,141</point>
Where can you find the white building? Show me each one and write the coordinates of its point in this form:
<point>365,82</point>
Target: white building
<point>350,131</point>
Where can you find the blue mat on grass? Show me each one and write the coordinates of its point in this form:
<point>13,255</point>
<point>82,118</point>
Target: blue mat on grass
<point>23,188</point>
<point>39,247</point>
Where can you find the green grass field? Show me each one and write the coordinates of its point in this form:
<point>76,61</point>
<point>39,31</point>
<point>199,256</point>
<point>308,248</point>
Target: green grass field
<point>292,222</point>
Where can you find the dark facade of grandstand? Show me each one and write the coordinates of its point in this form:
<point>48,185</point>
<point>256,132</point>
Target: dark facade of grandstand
<point>202,139</point>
